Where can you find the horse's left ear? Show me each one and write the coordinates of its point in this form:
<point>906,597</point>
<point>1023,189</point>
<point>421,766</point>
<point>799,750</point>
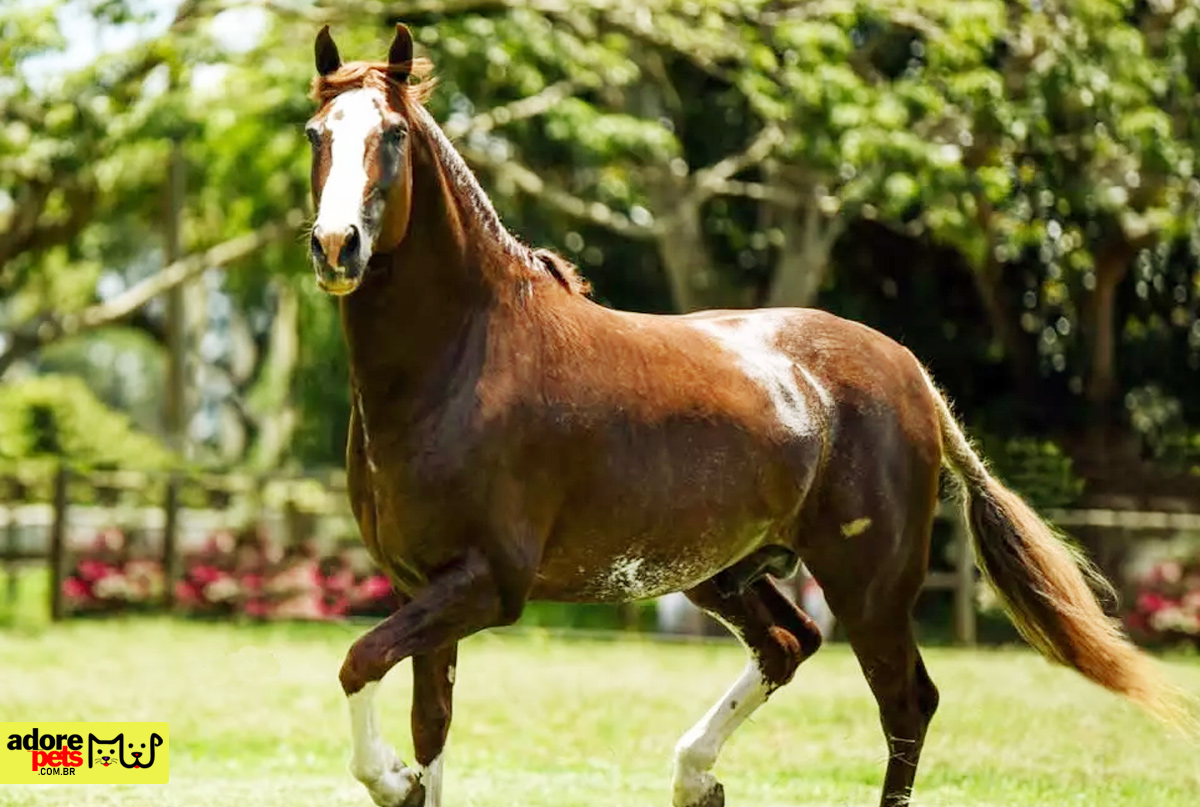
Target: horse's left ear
<point>400,55</point>
<point>326,52</point>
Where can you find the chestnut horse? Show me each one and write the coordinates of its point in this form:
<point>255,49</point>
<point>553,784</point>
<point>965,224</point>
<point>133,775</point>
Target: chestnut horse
<point>512,440</point>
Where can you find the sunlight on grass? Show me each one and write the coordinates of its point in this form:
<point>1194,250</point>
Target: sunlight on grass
<point>257,718</point>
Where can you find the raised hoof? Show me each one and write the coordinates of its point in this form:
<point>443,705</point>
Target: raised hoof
<point>714,797</point>
<point>415,797</point>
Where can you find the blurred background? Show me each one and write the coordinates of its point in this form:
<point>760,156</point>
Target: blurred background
<point>1008,188</point>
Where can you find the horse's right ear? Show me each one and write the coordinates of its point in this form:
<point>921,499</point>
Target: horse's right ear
<point>326,51</point>
<point>401,53</point>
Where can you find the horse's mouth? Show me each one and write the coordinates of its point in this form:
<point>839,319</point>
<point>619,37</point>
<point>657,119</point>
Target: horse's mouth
<point>338,287</point>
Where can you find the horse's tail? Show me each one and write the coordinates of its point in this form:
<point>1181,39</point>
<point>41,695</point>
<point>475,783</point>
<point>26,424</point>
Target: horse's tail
<point>1044,585</point>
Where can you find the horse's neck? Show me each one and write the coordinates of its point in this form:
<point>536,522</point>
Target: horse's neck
<point>420,299</point>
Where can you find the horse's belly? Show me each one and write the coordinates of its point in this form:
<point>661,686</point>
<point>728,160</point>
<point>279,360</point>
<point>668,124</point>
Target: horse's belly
<point>593,569</point>
<point>623,578</point>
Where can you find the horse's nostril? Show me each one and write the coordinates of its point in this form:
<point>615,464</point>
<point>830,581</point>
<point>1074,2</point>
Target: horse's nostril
<point>314,244</point>
<point>348,256</point>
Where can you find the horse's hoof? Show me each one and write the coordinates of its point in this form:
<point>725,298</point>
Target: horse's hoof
<point>415,797</point>
<point>714,797</point>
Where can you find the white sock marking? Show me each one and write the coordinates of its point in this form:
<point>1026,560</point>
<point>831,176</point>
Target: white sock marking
<point>372,761</point>
<point>696,752</point>
<point>431,777</point>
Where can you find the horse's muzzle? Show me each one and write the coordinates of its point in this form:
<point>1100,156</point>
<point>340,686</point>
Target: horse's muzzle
<point>338,281</point>
<point>337,257</point>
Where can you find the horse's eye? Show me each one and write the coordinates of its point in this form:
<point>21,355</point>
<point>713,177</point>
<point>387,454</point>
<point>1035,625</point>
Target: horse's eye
<point>313,135</point>
<point>394,135</point>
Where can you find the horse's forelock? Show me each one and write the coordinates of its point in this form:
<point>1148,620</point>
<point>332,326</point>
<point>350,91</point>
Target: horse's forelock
<point>375,75</point>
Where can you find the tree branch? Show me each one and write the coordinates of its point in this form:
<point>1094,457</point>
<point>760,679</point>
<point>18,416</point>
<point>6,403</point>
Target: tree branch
<point>39,331</point>
<point>526,180</point>
<point>708,181</point>
<point>524,108</point>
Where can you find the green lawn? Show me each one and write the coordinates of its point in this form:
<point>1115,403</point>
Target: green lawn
<point>257,718</point>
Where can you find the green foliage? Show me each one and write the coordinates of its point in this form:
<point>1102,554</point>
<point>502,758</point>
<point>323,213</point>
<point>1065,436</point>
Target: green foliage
<point>1037,469</point>
<point>1027,137</point>
<point>57,417</point>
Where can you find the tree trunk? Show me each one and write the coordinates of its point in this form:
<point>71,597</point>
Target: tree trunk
<point>1006,326</point>
<point>274,415</point>
<point>695,280</point>
<point>1107,451</point>
<point>1112,264</point>
<point>685,257</point>
<point>803,257</point>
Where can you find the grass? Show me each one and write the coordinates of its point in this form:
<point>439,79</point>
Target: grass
<point>257,720</point>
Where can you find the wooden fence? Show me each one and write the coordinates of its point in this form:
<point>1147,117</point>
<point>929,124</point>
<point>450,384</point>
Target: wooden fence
<point>168,501</point>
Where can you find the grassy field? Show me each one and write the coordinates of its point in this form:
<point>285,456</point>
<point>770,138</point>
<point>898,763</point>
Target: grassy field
<point>257,720</point>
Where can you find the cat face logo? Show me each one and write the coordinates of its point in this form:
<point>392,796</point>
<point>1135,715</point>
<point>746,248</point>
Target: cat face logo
<point>104,754</point>
<point>130,755</point>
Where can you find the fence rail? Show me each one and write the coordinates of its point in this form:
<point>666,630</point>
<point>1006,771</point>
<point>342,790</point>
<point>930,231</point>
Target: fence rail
<point>284,500</point>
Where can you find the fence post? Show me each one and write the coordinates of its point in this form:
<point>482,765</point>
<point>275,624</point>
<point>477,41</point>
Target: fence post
<point>12,565</point>
<point>58,543</point>
<point>170,546</point>
<point>964,586</point>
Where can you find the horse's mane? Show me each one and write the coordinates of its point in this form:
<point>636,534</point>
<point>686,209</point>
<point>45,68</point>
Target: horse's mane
<point>410,99</point>
<point>563,270</point>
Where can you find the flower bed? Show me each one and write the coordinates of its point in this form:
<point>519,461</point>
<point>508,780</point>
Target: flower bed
<point>1167,609</point>
<point>231,576</point>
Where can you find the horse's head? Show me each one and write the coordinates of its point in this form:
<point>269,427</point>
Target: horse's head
<point>361,167</point>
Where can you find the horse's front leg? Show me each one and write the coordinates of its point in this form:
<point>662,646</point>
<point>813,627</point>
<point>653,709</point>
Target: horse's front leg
<point>433,703</point>
<point>460,600</point>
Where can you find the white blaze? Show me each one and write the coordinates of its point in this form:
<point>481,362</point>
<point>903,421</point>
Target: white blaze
<point>353,117</point>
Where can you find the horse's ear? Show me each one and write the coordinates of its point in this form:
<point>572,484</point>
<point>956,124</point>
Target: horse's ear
<point>400,55</point>
<point>327,55</point>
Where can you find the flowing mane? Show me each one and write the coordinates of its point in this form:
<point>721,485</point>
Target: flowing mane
<point>410,100</point>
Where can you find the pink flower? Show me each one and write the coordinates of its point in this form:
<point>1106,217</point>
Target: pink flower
<point>75,589</point>
<point>95,569</point>
<point>1191,601</point>
<point>186,594</point>
<point>203,575</point>
<point>340,581</point>
<point>1171,571</point>
<point>336,608</point>
<point>256,607</point>
<point>1150,602</point>
<point>375,587</point>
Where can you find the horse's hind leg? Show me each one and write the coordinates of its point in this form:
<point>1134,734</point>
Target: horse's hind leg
<point>779,636</point>
<point>874,602</point>
<point>905,693</point>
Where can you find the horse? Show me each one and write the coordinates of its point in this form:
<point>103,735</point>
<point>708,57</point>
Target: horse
<point>512,440</point>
